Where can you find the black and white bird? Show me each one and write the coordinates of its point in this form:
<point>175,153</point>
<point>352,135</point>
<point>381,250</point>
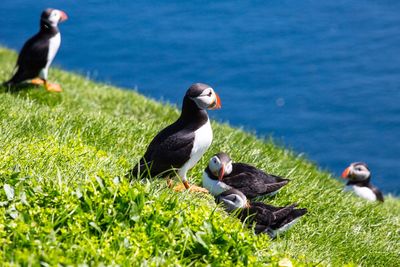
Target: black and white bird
<point>265,218</point>
<point>178,147</point>
<point>38,52</point>
<point>221,175</point>
<point>359,182</point>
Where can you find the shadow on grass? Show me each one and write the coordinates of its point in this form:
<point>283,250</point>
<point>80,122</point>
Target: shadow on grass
<point>34,92</point>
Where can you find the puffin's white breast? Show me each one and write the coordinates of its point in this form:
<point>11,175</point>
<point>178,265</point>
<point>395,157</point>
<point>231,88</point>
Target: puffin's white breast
<point>202,141</point>
<point>54,44</point>
<point>362,191</point>
<point>215,187</point>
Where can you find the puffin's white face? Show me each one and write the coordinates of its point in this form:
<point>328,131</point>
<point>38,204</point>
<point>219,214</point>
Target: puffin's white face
<point>57,16</point>
<point>219,168</point>
<point>356,172</point>
<point>208,99</point>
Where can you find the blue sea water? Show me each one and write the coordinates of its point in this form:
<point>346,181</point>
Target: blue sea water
<point>322,77</point>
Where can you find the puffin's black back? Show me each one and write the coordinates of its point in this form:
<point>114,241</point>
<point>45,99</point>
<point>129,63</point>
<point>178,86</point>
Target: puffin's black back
<point>33,56</point>
<point>252,181</point>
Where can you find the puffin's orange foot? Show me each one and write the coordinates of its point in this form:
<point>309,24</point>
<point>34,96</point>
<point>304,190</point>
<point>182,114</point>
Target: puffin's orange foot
<point>179,188</point>
<point>37,81</point>
<point>192,188</point>
<point>53,87</point>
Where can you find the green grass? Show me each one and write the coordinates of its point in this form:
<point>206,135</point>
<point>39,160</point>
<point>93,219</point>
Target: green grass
<point>61,153</point>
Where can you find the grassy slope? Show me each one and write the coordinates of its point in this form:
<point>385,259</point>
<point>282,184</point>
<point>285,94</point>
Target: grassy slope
<point>53,146</point>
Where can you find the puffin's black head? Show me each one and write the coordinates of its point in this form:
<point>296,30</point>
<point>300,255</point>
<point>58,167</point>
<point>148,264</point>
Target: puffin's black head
<point>357,171</point>
<point>232,199</point>
<point>52,17</point>
<point>204,96</point>
<point>220,165</point>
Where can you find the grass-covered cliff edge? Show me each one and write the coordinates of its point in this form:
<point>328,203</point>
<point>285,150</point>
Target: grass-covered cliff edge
<point>60,200</point>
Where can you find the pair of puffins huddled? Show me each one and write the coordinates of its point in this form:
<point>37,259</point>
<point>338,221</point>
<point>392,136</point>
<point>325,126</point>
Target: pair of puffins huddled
<point>177,148</point>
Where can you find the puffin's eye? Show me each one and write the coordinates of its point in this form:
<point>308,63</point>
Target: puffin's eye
<point>210,93</point>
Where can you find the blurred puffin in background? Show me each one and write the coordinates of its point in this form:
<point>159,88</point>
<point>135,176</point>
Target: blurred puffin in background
<point>178,147</point>
<point>265,218</point>
<point>359,181</point>
<point>221,175</point>
<point>38,52</point>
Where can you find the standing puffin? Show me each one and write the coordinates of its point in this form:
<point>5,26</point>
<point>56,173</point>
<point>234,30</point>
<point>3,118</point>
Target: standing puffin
<point>178,147</point>
<point>359,177</point>
<point>266,218</point>
<point>39,51</point>
<point>221,175</point>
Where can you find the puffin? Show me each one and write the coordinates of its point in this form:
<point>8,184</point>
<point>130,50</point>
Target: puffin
<point>359,181</point>
<point>177,148</point>
<point>38,52</point>
<point>221,175</point>
<point>265,218</point>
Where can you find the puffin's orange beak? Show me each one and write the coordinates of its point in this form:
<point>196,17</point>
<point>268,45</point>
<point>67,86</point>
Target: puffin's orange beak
<point>345,173</point>
<point>217,103</point>
<point>63,16</point>
<point>221,172</point>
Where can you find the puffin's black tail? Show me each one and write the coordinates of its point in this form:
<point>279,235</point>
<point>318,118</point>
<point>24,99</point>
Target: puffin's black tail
<point>284,212</point>
<point>283,180</point>
<point>11,82</point>
<point>20,75</point>
<point>8,83</point>
<point>299,212</point>
<point>274,187</point>
<point>293,215</point>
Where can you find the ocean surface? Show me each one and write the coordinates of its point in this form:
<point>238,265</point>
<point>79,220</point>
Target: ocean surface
<point>321,77</point>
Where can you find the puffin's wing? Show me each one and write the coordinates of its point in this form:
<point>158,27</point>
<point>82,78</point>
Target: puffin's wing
<point>31,59</point>
<point>283,213</point>
<point>276,178</point>
<point>252,185</point>
<point>268,178</point>
<point>168,151</point>
<point>266,206</point>
<point>174,150</point>
<point>260,215</point>
<point>378,193</point>
<point>243,167</point>
<point>293,215</point>
<point>34,53</point>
